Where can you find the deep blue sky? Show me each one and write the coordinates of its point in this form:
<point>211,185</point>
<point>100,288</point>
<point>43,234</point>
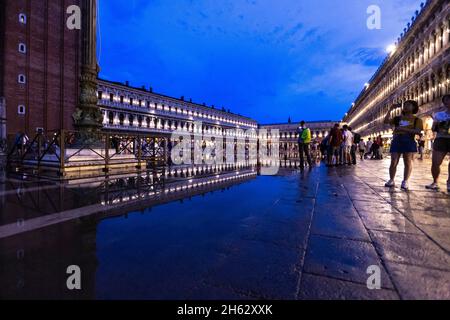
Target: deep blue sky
<point>267,59</point>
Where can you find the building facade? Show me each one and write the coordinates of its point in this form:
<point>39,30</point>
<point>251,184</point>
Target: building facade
<point>418,69</point>
<point>130,109</point>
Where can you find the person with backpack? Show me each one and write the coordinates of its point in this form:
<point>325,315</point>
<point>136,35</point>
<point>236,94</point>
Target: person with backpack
<point>304,141</point>
<point>406,127</point>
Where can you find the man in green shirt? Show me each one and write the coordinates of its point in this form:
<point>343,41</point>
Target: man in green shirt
<point>304,140</point>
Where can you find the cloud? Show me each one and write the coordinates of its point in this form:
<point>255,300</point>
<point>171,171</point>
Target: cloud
<point>251,55</point>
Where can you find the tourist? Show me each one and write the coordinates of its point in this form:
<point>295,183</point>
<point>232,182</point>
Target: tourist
<point>441,146</point>
<point>421,144</point>
<point>369,148</point>
<point>362,149</point>
<point>348,143</point>
<point>406,127</point>
<point>324,147</point>
<point>304,140</point>
<point>379,150</point>
<point>356,140</point>
<point>116,144</point>
<point>335,142</point>
<point>341,151</point>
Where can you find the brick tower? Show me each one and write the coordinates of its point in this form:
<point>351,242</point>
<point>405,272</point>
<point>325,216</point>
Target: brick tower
<point>47,69</point>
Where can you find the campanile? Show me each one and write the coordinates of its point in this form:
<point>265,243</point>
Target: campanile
<point>47,70</point>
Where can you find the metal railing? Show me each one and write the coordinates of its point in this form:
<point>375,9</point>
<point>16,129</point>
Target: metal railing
<point>63,148</point>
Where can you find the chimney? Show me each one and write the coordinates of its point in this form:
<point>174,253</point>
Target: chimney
<point>127,83</point>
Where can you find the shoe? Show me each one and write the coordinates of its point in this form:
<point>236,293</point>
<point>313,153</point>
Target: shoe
<point>390,184</point>
<point>405,185</point>
<point>433,186</point>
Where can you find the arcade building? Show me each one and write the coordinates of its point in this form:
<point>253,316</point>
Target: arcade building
<point>417,68</point>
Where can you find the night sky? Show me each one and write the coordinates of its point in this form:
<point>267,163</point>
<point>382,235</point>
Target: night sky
<point>266,59</point>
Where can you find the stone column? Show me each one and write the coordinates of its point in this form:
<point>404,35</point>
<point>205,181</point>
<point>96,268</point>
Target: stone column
<point>446,29</point>
<point>430,88</point>
<point>88,117</point>
<point>432,46</point>
<point>443,80</point>
<point>438,41</point>
<point>426,51</point>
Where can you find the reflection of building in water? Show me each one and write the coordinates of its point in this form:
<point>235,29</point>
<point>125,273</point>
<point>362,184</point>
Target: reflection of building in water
<point>417,69</point>
<point>288,136</point>
<point>34,263</point>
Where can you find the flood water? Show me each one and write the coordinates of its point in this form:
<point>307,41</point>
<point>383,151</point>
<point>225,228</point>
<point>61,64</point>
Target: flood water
<point>133,237</point>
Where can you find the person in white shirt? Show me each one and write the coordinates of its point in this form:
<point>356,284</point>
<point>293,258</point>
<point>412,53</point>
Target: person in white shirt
<point>362,149</point>
<point>348,143</point>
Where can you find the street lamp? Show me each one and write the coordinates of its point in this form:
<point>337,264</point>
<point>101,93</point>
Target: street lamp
<point>391,49</point>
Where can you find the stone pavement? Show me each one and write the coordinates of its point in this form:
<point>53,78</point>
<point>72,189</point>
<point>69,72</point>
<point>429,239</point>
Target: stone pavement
<point>325,229</point>
<point>308,235</point>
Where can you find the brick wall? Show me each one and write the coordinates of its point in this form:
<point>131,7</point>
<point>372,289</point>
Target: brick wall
<point>51,65</point>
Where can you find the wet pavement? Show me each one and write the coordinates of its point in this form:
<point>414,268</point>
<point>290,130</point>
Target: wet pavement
<point>228,235</point>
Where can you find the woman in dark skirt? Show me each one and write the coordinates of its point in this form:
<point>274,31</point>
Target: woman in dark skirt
<point>406,127</point>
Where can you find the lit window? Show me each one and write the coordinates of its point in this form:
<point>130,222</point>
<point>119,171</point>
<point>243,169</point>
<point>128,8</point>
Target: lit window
<point>21,109</point>
<point>23,18</point>
<point>22,79</point>
<point>22,48</point>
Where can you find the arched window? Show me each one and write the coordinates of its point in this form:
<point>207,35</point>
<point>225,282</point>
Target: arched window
<point>22,48</point>
<point>22,18</point>
<point>21,109</point>
<point>22,79</point>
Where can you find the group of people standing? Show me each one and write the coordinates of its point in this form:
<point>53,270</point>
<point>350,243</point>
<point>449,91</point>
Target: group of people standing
<point>340,147</point>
